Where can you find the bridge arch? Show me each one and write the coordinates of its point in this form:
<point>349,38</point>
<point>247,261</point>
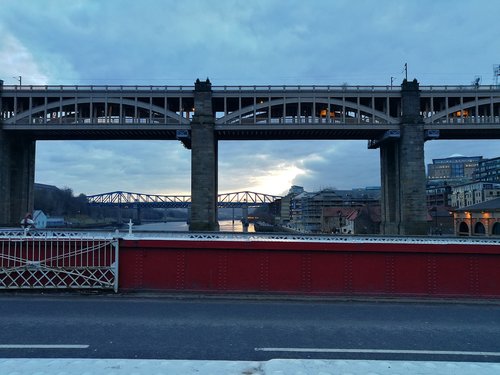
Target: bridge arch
<point>250,111</point>
<point>460,107</point>
<point>58,105</point>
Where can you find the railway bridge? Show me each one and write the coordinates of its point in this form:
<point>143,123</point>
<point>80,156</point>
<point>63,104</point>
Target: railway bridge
<point>397,120</point>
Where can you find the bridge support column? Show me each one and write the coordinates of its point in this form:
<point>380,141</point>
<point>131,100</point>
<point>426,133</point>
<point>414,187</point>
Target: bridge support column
<point>389,199</point>
<point>244,218</point>
<point>17,178</point>
<point>137,214</point>
<point>204,159</point>
<point>119,218</point>
<point>403,199</point>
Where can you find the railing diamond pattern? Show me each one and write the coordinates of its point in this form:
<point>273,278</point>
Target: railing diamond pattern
<point>34,261</point>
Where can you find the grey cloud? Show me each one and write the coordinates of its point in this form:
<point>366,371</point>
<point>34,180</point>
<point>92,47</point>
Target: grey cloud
<point>241,42</point>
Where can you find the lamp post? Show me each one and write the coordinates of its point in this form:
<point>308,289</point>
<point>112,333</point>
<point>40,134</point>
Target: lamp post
<point>19,79</point>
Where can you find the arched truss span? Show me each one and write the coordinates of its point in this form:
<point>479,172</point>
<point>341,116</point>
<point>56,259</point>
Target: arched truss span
<point>468,106</point>
<point>57,105</point>
<point>250,111</point>
<point>249,197</point>
<point>226,200</point>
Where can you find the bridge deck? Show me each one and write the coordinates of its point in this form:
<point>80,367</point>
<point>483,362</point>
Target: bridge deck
<point>245,112</point>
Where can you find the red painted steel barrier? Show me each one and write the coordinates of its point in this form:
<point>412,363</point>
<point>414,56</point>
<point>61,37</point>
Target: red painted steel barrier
<point>333,268</point>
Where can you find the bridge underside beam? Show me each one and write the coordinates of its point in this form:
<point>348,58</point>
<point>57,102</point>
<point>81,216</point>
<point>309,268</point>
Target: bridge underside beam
<point>17,178</point>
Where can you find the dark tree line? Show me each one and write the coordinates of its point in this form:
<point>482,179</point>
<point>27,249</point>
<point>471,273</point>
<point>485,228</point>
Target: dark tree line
<point>60,202</point>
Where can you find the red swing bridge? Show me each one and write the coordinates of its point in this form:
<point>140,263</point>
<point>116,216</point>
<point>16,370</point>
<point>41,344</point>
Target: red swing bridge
<point>230,263</point>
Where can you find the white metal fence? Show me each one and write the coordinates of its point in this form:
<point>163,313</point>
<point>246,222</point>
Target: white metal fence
<point>58,260</point>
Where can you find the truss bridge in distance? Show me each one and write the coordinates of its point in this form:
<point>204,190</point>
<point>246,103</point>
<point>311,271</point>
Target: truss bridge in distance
<point>124,199</point>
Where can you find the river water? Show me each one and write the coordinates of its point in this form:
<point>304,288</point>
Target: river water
<point>176,226</point>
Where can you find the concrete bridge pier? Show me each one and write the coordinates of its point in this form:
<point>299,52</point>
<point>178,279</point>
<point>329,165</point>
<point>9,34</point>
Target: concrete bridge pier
<point>17,175</point>
<point>204,160</point>
<point>389,199</point>
<point>403,198</point>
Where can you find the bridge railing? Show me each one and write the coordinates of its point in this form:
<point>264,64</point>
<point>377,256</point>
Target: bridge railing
<point>58,260</point>
<point>460,88</point>
<point>95,88</point>
<point>246,88</point>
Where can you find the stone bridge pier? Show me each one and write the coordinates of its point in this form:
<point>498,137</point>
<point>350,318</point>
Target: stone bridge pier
<point>403,198</point>
<point>204,160</point>
<point>17,175</point>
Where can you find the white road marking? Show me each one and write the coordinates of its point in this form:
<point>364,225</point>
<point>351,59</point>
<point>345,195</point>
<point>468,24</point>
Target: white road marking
<point>378,351</point>
<point>41,346</point>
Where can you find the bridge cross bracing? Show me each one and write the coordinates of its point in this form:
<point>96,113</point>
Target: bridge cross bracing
<point>132,200</point>
<point>245,112</point>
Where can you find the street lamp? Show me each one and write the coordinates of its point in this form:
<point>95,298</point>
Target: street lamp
<point>19,79</point>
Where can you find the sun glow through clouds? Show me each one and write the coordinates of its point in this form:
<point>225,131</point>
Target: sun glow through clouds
<point>277,181</point>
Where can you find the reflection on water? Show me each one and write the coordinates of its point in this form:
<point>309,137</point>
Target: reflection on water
<point>175,226</point>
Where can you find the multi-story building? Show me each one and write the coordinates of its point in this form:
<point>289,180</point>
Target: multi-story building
<point>482,219</point>
<point>286,204</point>
<point>351,220</point>
<point>455,169</point>
<point>438,194</point>
<point>306,210</point>
<point>473,193</point>
<point>488,170</point>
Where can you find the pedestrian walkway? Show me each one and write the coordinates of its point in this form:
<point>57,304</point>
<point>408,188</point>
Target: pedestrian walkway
<point>23,366</point>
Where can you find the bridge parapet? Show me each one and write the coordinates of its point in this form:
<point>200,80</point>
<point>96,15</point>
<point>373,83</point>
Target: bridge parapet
<point>384,266</point>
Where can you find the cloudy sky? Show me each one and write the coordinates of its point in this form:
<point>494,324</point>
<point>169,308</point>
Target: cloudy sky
<point>167,42</point>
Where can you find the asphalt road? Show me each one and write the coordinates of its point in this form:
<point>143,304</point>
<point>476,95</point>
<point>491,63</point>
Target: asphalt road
<point>160,327</point>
